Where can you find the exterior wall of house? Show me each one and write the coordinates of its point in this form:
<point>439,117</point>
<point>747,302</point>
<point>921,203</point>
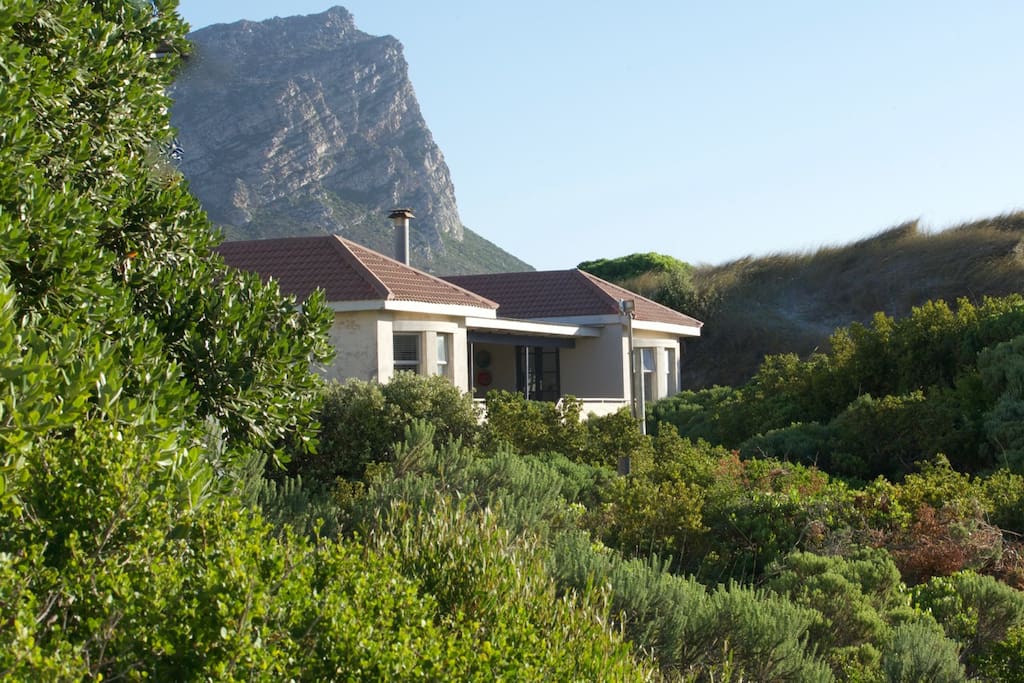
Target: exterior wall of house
<point>501,368</point>
<point>429,328</point>
<point>354,337</point>
<point>598,367</point>
<point>364,344</point>
<point>596,370</point>
<point>665,351</point>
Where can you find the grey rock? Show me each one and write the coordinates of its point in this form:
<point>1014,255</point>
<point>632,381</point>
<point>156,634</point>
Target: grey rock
<point>306,125</point>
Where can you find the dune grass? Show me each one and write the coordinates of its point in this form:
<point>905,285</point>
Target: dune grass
<point>791,302</point>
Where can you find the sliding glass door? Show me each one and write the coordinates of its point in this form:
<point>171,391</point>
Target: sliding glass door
<point>537,373</point>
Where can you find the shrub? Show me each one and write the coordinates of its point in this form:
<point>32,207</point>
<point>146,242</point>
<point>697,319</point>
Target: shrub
<point>1003,429</point>
<point>887,395</point>
<point>495,598</point>
<point>918,652</point>
<point>858,598</point>
<point>643,518</point>
<point>1004,660</point>
<point>436,400</point>
<point>360,422</point>
<point>699,414</point>
<point>610,438</point>
<point>682,459</point>
<point>760,510</point>
<point>689,630</point>
<point>533,427</point>
<point>807,443</point>
<point>975,611</point>
<point>941,542</point>
<point>126,564</point>
<point>1003,492</point>
<point>530,495</point>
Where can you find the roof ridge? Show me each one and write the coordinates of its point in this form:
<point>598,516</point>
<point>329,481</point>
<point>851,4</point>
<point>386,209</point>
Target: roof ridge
<point>344,245</point>
<point>451,286</point>
<point>595,279</point>
<point>589,279</point>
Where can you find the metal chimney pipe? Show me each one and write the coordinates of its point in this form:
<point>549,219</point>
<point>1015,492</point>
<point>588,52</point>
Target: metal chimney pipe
<point>401,217</point>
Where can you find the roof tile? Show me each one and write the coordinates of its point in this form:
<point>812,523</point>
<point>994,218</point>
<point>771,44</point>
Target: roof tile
<point>563,294</point>
<point>346,271</point>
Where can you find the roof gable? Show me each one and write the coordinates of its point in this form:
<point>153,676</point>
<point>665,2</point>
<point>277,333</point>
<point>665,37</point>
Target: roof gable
<point>346,271</point>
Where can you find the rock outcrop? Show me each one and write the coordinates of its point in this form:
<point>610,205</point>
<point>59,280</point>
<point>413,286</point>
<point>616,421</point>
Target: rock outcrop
<point>307,125</point>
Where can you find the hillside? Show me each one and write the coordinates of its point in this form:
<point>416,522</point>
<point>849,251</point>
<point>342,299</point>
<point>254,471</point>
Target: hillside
<point>792,302</point>
<point>307,125</point>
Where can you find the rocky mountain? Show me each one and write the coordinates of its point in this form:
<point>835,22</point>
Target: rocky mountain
<point>306,125</point>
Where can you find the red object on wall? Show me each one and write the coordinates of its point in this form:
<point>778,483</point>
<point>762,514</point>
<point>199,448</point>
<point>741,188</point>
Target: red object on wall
<point>483,378</point>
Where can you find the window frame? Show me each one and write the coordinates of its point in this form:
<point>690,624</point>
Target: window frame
<point>407,364</point>
<point>443,366</point>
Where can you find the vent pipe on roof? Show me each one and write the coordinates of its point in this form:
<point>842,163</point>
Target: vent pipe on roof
<point>401,217</point>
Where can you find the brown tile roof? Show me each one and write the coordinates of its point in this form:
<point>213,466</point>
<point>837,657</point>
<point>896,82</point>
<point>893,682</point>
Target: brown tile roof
<point>346,271</point>
<point>563,294</point>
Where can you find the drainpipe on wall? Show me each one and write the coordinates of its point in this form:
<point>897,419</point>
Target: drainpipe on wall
<point>400,217</point>
<point>636,376</point>
<point>627,307</point>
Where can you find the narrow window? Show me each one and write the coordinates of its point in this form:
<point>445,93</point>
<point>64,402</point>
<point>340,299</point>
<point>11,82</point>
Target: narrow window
<point>647,367</point>
<point>407,353</point>
<point>443,351</point>
<point>671,381</point>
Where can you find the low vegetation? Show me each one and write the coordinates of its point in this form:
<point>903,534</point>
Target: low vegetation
<point>181,499</point>
<point>713,566</point>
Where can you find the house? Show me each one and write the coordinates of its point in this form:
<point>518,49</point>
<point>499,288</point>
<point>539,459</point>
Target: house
<point>543,334</point>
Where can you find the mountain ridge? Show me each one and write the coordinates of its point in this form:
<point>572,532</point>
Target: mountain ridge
<point>307,125</point>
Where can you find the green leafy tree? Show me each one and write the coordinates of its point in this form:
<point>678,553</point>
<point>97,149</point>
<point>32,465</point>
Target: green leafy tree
<point>103,240</point>
<point>128,350</point>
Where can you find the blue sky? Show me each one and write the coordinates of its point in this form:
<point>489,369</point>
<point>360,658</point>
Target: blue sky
<point>707,131</point>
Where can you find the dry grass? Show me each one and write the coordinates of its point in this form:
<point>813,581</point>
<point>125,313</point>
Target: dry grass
<point>792,302</point>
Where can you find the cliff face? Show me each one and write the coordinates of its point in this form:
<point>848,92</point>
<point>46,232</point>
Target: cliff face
<point>307,125</point>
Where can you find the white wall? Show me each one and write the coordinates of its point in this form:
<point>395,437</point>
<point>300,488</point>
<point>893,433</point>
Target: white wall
<point>354,337</point>
<point>502,368</point>
<point>666,358</point>
<point>363,342</point>
<point>428,327</point>
<point>598,367</point>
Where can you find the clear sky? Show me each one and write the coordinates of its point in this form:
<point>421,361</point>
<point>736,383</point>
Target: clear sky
<point>582,129</point>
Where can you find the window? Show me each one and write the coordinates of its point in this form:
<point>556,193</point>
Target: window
<point>647,367</point>
<point>671,383</point>
<point>407,353</point>
<point>537,373</point>
<point>443,350</point>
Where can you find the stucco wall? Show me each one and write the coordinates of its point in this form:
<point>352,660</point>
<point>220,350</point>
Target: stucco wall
<point>428,327</point>
<point>502,368</point>
<point>597,366</point>
<point>666,355</point>
<point>363,342</point>
<point>354,337</point>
